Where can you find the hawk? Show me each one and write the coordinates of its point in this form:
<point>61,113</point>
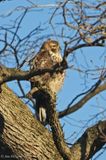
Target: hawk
<point>48,56</point>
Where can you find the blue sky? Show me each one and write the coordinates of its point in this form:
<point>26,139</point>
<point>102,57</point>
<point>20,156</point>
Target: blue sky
<point>75,82</point>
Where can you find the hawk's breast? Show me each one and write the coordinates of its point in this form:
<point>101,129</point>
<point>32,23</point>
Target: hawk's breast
<point>56,81</point>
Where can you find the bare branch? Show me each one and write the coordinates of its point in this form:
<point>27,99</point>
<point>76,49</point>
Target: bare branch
<point>9,74</point>
<point>80,103</point>
<point>57,132</point>
<point>90,142</point>
<point>92,44</point>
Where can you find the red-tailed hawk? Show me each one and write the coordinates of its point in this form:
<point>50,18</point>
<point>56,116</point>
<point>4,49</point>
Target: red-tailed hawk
<point>47,57</point>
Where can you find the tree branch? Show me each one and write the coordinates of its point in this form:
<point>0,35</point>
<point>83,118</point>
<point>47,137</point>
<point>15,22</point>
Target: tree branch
<point>80,103</point>
<point>57,132</point>
<point>92,44</point>
<point>90,142</point>
<point>9,74</point>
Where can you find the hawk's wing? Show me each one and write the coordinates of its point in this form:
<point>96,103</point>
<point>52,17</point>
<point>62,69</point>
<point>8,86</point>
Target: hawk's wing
<point>42,60</point>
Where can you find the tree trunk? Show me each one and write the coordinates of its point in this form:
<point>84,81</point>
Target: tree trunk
<point>23,137</point>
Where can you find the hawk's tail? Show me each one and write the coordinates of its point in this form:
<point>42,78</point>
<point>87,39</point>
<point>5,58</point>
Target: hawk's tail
<point>42,114</point>
<point>40,107</point>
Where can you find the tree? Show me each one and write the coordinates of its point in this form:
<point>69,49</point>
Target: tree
<point>77,25</point>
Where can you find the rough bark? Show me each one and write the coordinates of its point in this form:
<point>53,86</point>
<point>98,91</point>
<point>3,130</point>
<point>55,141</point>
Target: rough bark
<point>23,137</point>
<point>58,135</point>
<point>90,142</point>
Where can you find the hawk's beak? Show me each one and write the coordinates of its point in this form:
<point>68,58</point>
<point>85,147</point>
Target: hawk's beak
<point>60,48</point>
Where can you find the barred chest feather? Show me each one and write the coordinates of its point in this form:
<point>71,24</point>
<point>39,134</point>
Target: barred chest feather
<point>56,57</point>
<point>56,82</point>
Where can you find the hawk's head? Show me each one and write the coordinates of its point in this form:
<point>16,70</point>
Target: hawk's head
<point>51,45</point>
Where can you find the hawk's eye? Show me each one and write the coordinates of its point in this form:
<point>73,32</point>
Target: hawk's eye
<point>53,46</point>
